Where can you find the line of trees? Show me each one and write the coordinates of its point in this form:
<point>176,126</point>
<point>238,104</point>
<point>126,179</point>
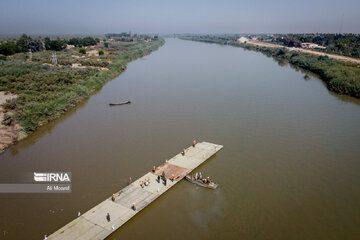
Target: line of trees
<point>24,43</point>
<point>82,42</point>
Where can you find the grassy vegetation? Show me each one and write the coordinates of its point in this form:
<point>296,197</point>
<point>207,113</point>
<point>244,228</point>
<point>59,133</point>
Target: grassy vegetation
<point>46,91</point>
<point>340,77</point>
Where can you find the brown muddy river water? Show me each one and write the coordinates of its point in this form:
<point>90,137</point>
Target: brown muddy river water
<point>290,167</point>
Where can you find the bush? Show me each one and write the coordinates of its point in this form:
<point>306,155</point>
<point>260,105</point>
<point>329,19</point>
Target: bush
<point>10,104</point>
<point>101,52</point>
<point>324,59</point>
<point>280,51</point>
<point>82,50</point>
<point>7,121</point>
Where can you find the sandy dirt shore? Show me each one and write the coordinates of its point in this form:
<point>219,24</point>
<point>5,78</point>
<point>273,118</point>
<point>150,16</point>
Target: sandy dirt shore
<point>332,56</point>
<point>12,133</point>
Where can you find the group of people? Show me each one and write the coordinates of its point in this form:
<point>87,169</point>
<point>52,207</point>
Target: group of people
<point>206,180</point>
<point>162,177</point>
<point>198,177</point>
<point>145,183</point>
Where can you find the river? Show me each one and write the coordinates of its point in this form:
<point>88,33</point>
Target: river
<point>290,167</point>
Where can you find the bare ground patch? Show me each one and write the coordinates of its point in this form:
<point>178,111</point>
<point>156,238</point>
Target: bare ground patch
<point>8,134</point>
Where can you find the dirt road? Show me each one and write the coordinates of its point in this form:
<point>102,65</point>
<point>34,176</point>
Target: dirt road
<point>332,56</point>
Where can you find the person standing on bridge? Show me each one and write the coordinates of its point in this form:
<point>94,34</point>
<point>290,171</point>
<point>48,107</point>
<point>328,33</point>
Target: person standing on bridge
<point>108,217</point>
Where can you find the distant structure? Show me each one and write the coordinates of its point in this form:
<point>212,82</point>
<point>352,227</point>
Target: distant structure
<point>54,59</point>
<point>30,55</point>
<point>312,45</point>
<point>69,46</point>
<point>243,40</point>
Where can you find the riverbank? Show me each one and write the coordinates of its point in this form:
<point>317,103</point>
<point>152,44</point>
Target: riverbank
<point>342,77</point>
<point>302,50</point>
<point>45,91</point>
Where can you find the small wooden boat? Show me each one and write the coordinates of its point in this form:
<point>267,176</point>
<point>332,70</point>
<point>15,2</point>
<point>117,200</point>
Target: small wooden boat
<point>120,103</point>
<point>211,185</point>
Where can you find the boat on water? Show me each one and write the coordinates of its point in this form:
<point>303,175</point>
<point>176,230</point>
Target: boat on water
<point>199,182</point>
<point>120,103</point>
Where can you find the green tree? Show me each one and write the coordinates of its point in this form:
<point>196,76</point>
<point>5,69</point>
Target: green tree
<point>56,45</point>
<point>80,42</point>
<point>88,41</point>
<point>75,42</point>
<point>23,43</point>
<point>8,48</point>
<point>101,52</point>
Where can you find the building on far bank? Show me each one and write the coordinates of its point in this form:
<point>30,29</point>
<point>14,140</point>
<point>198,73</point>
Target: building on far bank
<point>312,45</point>
<point>243,40</point>
<point>69,46</point>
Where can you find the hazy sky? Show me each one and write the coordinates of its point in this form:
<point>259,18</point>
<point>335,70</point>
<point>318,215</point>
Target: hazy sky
<point>178,16</point>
